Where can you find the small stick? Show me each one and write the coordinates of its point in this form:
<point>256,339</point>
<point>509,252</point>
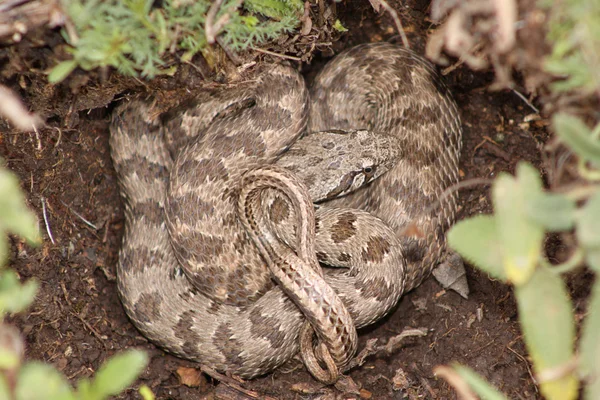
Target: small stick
<point>37,136</point>
<point>13,109</point>
<point>106,229</point>
<point>456,381</point>
<point>101,338</point>
<point>392,345</point>
<point>59,137</point>
<point>272,53</point>
<point>43,200</point>
<point>396,19</point>
<point>526,101</point>
<point>212,28</point>
<point>80,216</point>
<point>209,24</point>
<point>232,383</point>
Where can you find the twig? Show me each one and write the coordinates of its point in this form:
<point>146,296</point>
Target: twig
<point>17,17</point>
<point>59,137</point>
<point>369,349</point>
<point>37,138</point>
<point>392,345</point>
<point>394,14</point>
<point>80,216</point>
<point>212,28</point>
<point>230,53</point>
<point>394,342</point>
<point>209,24</point>
<point>307,23</point>
<point>272,53</point>
<point>506,17</point>
<point>526,101</point>
<point>43,200</point>
<point>496,150</point>
<point>12,108</point>
<point>461,59</point>
<point>428,387</point>
<point>456,381</point>
<point>101,338</point>
<point>106,230</point>
<point>526,363</point>
<point>231,383</point>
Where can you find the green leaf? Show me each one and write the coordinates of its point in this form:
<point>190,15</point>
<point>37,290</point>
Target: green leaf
<point>3,247</point>
<point>339,27</point>
<point>555,212</point>
<point>4,388</point>
<point>476,240</point>
<point>479,385</point>
<point>40,381</point>
<point>276,9</point>
<point>589,349</point>
<point>8,359</point>
<point>118,373</point>
<point>146,393</point>
<point>14,296</point>
<point>84,390</point>
<point>548,328</point>
<point>15,216</point>
<point>576,134</point>
<point>61,71</point>
<point>521,238</point>
<point>592,258</point>
<point>588,226</point>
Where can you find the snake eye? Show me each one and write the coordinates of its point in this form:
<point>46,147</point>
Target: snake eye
<point>369,172</point>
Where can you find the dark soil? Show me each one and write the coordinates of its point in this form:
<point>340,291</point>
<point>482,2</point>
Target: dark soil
<point>77,320</point>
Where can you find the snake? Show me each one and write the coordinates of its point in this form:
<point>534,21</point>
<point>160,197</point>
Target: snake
<point>253,207</point>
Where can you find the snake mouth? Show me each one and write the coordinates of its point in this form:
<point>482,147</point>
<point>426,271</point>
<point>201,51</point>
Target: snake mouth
<point>345,185</point>
<point>349,182</point>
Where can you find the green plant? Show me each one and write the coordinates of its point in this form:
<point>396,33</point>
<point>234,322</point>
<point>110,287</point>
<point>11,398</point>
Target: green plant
<point>574,32</point>
<point>134,37</point>
<point>35,380</point>
<point>508,245</point>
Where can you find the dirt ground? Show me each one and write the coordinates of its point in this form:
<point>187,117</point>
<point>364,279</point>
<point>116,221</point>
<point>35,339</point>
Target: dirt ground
<point>77,320</point>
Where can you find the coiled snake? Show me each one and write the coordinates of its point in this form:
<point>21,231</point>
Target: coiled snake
<point>201,280</point>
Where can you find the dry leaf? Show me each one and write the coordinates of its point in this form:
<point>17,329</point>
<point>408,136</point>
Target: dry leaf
<point>190,377</point>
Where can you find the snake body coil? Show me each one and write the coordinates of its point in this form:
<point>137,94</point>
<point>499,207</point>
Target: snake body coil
<point>190,277</point>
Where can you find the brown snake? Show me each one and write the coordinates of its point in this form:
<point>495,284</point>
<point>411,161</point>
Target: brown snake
<point>194,282</point>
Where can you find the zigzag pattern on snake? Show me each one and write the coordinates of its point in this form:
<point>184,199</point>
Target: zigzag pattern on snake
<point>189,276</point>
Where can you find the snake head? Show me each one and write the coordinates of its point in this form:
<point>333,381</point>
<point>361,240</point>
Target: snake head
<point>335,163</point>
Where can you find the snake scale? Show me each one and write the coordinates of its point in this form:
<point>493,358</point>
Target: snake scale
<point>375,142</point>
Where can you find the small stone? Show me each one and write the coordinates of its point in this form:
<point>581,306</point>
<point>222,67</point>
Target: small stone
<point>451,275</point>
